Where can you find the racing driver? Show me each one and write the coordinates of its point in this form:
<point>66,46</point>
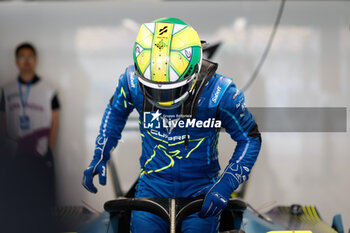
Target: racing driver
<point>182,104</point>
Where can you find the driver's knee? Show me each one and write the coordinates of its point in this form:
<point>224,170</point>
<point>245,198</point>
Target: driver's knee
<point>144,222</point>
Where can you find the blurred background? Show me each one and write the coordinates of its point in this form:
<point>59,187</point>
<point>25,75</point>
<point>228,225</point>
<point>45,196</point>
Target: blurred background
<point>84,46</point>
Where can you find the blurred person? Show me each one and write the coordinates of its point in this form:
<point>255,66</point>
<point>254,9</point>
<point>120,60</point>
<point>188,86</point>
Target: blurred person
<point>30,108</point>
<point>182,103</point>
<point>29,115</point>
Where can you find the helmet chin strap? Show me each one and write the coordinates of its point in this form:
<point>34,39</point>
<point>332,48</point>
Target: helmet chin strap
<point>189,107</point>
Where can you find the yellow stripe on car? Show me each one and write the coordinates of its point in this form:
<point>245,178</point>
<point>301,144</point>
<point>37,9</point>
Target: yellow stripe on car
<point>289,232</point>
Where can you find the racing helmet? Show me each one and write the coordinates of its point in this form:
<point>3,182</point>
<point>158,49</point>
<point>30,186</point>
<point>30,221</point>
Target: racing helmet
<point>168,57</point>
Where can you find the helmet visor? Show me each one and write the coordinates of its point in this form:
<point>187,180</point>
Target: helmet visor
<point>166,94</point>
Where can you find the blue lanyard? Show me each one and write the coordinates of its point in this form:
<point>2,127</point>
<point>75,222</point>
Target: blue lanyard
<point>24,99</point>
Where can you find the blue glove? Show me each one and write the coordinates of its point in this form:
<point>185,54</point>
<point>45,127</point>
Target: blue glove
<point>104,147</point>
<point>217,195</point>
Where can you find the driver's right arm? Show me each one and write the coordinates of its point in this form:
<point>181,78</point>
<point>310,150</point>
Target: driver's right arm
<point>112,125</point>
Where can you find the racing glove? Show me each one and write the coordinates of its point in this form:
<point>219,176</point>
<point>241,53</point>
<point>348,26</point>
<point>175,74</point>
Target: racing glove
<point>218,194</point>
<point>104,146</point>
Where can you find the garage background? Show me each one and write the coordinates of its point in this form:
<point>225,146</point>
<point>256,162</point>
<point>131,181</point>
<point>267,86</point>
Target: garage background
<point>84,46</point>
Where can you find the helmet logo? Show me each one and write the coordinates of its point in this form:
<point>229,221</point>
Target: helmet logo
<point>137,50</point>
<point>163,30</point>
<point>188,53</point>
<point>161,44</point>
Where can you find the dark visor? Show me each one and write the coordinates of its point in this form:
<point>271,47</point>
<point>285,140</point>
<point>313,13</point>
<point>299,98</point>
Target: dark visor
<point>163,95</point>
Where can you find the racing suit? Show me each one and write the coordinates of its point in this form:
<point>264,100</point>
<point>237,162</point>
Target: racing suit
<point>179,159</point>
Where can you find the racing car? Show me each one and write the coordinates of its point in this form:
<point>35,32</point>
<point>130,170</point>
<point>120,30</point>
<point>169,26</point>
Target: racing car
<point>238,217</point>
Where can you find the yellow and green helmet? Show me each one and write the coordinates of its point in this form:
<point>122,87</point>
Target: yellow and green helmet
<point>168,57</point>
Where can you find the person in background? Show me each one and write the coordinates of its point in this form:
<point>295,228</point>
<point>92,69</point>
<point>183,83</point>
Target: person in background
<point>29,110</point>
<point>30,107</point>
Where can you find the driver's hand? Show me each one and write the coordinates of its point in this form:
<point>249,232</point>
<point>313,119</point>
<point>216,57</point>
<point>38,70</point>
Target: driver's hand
<point>214,202</point>
<point>90,172</point>
<point>218,194</point>
<point>98,165</point>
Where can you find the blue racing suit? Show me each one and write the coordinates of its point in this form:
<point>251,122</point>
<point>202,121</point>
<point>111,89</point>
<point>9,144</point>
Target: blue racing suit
<point>180,159</point>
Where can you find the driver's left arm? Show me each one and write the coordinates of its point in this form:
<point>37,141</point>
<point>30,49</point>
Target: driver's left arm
<point>240,124</point>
